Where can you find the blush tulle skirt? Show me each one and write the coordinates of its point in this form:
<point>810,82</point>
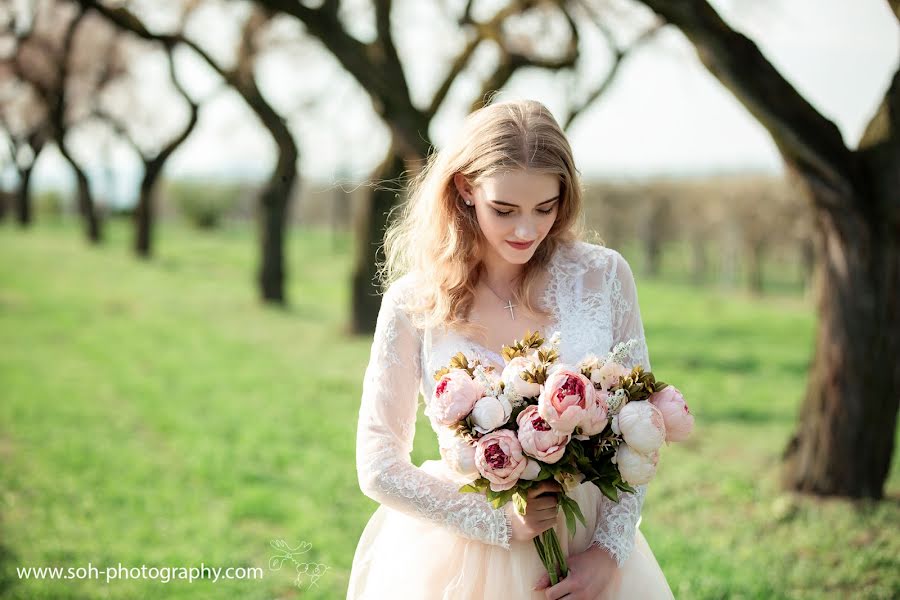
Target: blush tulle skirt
<point>401,556</point>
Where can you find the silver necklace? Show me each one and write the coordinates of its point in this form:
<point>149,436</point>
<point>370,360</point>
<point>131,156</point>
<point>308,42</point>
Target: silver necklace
<point>509,305</point>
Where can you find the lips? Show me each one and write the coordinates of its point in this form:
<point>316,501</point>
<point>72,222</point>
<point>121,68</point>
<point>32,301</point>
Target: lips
<point>520,245</point>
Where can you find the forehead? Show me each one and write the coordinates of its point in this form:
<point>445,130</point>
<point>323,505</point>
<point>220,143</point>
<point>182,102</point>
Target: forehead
<point>521,187</point>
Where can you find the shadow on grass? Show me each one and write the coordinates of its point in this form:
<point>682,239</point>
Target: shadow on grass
<point>8,564</point>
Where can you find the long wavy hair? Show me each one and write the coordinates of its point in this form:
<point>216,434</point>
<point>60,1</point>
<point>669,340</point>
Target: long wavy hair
<point>436,235</point>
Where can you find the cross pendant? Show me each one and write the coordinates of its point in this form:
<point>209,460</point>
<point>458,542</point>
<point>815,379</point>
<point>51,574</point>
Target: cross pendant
<point>509,306</point>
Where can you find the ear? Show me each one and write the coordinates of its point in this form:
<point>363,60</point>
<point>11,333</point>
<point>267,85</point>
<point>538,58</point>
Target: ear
<point>463,186</point>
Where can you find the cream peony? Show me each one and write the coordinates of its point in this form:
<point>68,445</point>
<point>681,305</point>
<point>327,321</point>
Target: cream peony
<point>642,426</point>
<point>608,375</point>
<point>489,413</point>
<point>634,467</point>
<point>454,397</point>
<point>457,453</point>
<point>499,459</point>
<point>565,398</point>
<point>679,420</point>
<point>538,439</point>
<point>512,377</point>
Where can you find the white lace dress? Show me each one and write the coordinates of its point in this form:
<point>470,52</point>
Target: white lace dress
<point>428,540</point>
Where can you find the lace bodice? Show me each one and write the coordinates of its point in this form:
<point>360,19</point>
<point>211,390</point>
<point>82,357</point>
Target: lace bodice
<point>592,297</point>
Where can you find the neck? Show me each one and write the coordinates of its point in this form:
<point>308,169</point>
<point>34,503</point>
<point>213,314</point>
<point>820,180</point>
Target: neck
<point>500,274</point>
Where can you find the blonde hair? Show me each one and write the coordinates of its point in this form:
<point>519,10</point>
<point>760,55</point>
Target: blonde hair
<point>437,237</point>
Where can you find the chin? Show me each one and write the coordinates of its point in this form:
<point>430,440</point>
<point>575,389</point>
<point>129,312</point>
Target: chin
<point>517,258</point>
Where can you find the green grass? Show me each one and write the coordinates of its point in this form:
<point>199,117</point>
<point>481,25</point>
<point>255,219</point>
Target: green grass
<point>154,413</point>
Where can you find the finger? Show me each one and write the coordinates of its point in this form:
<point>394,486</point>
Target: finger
<point>542,583</point>
<point>569,585</point>
<point>535,491</point>
<point>542,504</point>
<point>545,486</point>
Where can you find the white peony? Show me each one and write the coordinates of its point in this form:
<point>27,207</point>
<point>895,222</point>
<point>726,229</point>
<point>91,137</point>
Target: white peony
<point>642,426</point>
<point>634,467</point>
<point>490,413</point>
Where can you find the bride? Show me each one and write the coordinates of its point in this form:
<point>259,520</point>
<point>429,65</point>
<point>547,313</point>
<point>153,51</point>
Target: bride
<point>490,244</point>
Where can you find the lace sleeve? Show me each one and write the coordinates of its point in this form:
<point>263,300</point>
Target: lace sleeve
<point>385,438</point>
<point>617,522</point>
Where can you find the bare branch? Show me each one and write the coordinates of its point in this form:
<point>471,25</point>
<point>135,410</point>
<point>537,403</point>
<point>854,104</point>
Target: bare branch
<point>511,60</point>
<point>806,139</point>
<point>619,54</point>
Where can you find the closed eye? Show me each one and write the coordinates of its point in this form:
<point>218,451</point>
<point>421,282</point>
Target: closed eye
<point>507,213</point>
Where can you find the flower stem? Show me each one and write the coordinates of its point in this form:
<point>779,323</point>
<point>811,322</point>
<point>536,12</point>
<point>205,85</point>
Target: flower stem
<point>560,557</point>
<point>545,552</point>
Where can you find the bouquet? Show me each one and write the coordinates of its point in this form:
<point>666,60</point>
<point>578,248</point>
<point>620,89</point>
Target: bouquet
<point>598,421</point>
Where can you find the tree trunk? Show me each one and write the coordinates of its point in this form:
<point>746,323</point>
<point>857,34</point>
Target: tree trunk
<point>144,212</point>
<point>86,205</point>
<point>273,219</point>
<point>847,422</point>
<point>23,197</point>
<point>370,228</point>
<point>807,263</point>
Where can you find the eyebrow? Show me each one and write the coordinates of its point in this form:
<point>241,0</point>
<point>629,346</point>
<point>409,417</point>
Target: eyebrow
<point>517,206</point>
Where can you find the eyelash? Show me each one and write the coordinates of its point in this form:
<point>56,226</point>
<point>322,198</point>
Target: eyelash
<point>506,214</point>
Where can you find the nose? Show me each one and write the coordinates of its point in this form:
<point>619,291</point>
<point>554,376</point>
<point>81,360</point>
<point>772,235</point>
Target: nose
<point>526,230</point>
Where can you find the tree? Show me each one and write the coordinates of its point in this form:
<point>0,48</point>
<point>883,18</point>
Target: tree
<point>61,55</point>
<point>845,439</point>
<point>153,160</point>
<point>377,67</point>
<point>26,140</point>
<point>276,193</point>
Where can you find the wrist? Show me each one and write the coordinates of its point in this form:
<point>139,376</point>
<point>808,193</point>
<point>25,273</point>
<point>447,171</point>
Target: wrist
<point>601,554</point>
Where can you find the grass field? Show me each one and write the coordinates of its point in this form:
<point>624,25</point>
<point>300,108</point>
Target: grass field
<point>155,414</point>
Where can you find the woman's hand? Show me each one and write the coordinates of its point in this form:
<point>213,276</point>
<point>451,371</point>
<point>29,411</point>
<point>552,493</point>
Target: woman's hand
<point>592,574</point>
<point>540,511</point>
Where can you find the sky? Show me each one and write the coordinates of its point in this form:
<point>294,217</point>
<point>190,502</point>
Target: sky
<point>664,115</point>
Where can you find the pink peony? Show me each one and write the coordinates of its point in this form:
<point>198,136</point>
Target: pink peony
<point>565,398</point>
<point>538,439</point>
<point>531,471</point>
<point>679,420</point>
<point>499,458</point>
<point>596,416</point>
<point>642,426</point>
<point>454,397</point>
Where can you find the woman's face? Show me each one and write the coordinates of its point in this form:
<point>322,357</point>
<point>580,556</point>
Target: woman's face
<point>517,206</point>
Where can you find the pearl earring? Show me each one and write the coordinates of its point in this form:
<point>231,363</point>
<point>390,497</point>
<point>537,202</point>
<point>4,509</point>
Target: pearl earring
<point>468,203</point>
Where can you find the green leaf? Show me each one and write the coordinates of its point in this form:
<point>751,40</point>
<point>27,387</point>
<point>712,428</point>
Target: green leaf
<point>608,490</point>
<point>570,517</point>
<point>577,510</point>
<point>626,487</point>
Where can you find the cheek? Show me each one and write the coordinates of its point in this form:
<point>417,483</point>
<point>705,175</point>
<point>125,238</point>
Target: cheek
<point>492,225</point>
